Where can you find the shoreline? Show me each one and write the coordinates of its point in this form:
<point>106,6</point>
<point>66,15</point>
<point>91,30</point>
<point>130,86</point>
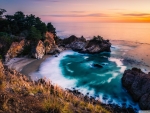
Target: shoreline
<point>29,65</point>
<point>33,66</point>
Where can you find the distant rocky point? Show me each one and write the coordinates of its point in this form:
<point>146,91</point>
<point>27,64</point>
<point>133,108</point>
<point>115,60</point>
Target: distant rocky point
<point>137,84</point>
<point>95,45</point>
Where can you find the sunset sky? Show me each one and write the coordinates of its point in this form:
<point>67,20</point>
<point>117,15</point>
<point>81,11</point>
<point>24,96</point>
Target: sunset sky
<point>82,10</point>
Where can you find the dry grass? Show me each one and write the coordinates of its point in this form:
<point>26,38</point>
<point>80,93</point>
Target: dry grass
<point>19,95</point>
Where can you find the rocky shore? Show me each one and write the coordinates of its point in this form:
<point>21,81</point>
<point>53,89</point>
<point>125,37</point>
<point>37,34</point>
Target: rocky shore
<point>95,45</point>
<point>53,45</point>
<point>29,50</point>
<point>137,84</point>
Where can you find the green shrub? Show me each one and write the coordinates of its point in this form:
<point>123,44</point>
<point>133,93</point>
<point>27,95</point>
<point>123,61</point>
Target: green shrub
<point>34,34</point>
<point>0,56</point>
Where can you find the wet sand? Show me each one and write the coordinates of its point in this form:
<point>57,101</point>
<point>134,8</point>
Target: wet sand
<point>33,66</point>
<point>19,63</point>
<point>26,65</point>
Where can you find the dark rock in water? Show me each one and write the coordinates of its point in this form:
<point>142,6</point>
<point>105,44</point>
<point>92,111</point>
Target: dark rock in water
<point>95,45</point>
<point>104,64</point>
<point>97,65</point>
<point>138,85</point>
<point>56,55</point>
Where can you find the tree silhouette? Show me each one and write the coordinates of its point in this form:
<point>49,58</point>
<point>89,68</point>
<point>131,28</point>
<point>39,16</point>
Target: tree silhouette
<point>34,34</point>
<point>2,11</point>
<point>51,28</point>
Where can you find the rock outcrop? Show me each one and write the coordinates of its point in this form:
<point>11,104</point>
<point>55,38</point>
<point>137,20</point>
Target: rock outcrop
<point>49,41</point>
<point>15,49</point>
<point>75,43</point>
<point>1,67</point>
<point>38,51</point>
<point>137,84</point>
<point>50,45</point>
<point>95,45</point>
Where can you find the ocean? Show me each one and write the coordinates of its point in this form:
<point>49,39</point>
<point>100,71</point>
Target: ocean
<point>76,71</point>
<point>137,32</point>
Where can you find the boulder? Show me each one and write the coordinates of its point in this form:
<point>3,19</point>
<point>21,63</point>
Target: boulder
<point>38,51</point>
<point>15,49</point>
<point>137,84</point>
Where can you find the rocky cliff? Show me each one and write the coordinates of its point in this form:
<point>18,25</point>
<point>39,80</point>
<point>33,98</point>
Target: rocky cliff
<point>36,49</point>
<point>95,45</point>
<point>50,45</point>
<point>137,84</point>
<point>15,49</point>
<point>39,50</point>
<point>1,67</point>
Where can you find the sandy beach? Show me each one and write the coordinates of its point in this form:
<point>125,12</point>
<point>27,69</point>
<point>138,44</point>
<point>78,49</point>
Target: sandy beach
<point>26,65</point>
<point>18,63</point>
<point>33,66</point>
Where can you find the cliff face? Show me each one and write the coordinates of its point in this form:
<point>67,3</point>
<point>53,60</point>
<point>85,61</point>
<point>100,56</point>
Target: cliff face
<point>49,41</point>
<point>38,51</point>
<point>1,67</point>
<point>138,85</point>
<point>94,45</point>
<point>15,49</point>
<point>50,45</point>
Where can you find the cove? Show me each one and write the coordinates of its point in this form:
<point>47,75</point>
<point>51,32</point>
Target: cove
<point>75,70</point>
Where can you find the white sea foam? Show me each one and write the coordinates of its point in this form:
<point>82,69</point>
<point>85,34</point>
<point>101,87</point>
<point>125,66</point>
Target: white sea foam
<point>71,71</point>
<point>113,77</point>
<point>50,69</point>
<point>119,63</point>
<point>86,57</point>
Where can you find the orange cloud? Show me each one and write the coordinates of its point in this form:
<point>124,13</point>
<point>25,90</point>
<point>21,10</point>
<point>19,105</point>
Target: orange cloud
<point>98,17</point>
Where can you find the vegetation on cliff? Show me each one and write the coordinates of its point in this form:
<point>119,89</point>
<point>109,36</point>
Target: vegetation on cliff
<point>14,28</point>
<point>18,94</point>
<point>20,34</point>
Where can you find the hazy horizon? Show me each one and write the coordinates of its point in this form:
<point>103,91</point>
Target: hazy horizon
<point>114,11</point>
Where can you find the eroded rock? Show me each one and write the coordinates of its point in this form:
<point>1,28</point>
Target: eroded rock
<point>38,51</point>
<point>95,45</point>
<point>15,49</point>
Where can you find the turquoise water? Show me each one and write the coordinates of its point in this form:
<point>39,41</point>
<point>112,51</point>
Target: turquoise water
<point>74,70</point>
<point>103,83</point>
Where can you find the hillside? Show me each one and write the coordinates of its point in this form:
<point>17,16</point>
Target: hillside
<point>18,94</point>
